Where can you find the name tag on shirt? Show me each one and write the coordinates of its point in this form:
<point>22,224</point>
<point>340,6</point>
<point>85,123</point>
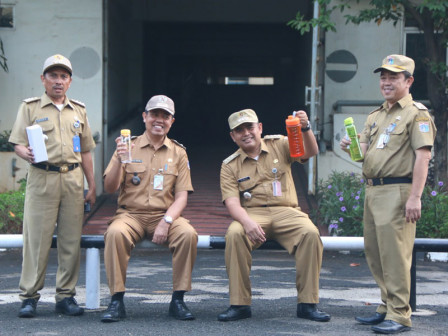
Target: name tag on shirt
<point>76,144</point>
<point>158,182</point>
<point>277,188</point>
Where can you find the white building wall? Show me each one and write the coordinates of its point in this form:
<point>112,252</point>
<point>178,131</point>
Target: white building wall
<point>369,43</point>
<point>43,28</point>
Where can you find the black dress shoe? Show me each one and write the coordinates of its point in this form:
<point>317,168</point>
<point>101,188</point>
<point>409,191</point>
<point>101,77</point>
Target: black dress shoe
<point>235,313</point>
<point>390,327</point>
<point>309,311</point>
<point>371,320</point>
<point>179,310</point>
<point>69,306</point>
<point>28,308</point>
<point>114,312</point>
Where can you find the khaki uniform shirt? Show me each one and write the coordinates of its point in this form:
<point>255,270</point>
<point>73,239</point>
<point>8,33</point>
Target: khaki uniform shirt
<point>170,162</point>
<point>240,173</point>
<point>414,129</point>
<point>59,126</point>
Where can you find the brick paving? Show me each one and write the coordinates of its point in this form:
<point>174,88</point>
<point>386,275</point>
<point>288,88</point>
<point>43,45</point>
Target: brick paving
<point>204,210</point>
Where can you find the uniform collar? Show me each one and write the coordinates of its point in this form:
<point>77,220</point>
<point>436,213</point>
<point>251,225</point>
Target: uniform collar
<point>145,141</point>
<point>243,154</point>
<point>402,102</point>
<point>46,100</point>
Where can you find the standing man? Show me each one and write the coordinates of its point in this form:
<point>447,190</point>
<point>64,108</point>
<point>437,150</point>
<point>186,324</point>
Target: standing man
<point>396,142</point>
<point>258,191</point>
<point>153,193</point>
<point>55,188</point>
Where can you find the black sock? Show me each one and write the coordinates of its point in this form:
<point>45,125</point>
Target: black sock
<point>118,296</point>
<point>178,295</point>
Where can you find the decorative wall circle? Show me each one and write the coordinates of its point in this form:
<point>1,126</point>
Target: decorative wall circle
<point>85,62</point>
<point>341,66</point>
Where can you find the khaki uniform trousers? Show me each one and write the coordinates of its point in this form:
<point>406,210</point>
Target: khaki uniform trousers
<point>292,229</point>
<point>127,229</point>
<point>389,241</point>
<point>51,198</point>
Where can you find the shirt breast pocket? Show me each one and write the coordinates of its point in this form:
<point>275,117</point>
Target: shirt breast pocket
<point>397,137</point>
<point>373,134</point>
<point>47,127</point>
<point>170,175</point>
<point>135,173</point>
<point>77,127</point>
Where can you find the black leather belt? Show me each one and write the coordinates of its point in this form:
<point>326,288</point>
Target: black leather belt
<point>388,180</point>
<point>61,169</point>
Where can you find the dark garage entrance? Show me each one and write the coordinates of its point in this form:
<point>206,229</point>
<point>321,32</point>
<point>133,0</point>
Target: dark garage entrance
<point>191,62</point>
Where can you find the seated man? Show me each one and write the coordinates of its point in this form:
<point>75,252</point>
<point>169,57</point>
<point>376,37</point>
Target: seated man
<point>258,191</point>
<point>154,189</point>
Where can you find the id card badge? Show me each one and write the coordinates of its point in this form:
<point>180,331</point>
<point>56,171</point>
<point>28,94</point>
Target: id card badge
<point>381,142</point>
<point>76,144</point>
<point>277,188</point>
<point>158,182</point>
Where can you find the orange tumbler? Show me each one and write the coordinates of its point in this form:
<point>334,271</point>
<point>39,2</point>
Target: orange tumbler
<point>295,138</point>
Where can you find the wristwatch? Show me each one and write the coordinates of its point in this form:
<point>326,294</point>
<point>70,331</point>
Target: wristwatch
<point>168,219</point>
<point>307,128</point>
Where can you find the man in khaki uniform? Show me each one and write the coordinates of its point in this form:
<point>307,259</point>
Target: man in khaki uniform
<point>258,191</point>
<point>153,193</point>
<point>396,141</point>
<point>54,190</point>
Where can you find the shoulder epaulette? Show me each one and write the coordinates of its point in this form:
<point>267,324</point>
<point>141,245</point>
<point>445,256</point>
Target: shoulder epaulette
<point>179,144</point>
<point>377,109</point>
<point>231,157</point>
<point>420,106</point>
<point>30,100</point>
<point>78,102</point>
<point>273,137</point>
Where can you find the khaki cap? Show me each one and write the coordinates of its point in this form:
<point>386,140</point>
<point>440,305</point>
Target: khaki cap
<point>397,63</point>
<point>160,102</point>
<point>57,61</point>
<point>241,117</point>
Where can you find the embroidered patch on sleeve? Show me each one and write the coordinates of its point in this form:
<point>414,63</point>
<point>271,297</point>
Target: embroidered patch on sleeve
<point>423,127</point>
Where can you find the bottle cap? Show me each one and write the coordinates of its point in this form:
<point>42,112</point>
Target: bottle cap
<point>348,121</point>
<point>292,121</point>
<point>125,132</point>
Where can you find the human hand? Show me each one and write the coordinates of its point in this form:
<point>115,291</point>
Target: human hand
<point>90,197</point>
<point>345,143</point>
<point>413,209</point>
<point>25,153</point>
<point>254,232</point>
<point>161,233</point>
<point>303,118</point>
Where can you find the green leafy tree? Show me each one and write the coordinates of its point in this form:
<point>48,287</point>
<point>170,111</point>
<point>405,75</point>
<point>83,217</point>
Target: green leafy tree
<point>431,17</point>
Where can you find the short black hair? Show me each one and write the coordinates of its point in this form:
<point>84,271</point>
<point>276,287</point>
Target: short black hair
<point>407,74</point>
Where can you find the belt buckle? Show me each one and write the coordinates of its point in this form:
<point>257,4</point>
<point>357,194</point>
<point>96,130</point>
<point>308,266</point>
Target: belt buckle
<point>370,182</point>
<point>63,169</point>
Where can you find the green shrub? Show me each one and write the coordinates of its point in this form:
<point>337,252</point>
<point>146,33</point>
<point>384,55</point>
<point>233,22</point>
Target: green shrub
<point>5,145</point>
<point>11,210</point>
<point>434,220</point>
<point>340,201</point>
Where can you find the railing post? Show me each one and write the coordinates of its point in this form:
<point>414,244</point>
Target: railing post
<point>413,296</point>
<point>92,278</point>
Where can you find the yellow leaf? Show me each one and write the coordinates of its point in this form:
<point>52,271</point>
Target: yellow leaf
<point>11,214</point>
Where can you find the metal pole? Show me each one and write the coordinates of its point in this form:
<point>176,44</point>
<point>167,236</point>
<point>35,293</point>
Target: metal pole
<point>92,278</point>
<point>413,296</point>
